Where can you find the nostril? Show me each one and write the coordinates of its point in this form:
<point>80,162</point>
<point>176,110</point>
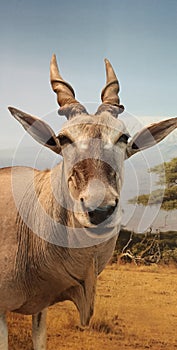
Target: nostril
<point>82,200</point>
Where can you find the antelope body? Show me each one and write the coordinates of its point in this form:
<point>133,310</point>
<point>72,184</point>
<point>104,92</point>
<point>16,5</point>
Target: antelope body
<point>59,227</point>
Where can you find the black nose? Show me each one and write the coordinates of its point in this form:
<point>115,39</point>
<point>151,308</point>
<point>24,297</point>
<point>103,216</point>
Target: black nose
<point>100,214</point>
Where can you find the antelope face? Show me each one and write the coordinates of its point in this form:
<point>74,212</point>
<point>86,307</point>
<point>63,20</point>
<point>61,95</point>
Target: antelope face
<point>94,151</point>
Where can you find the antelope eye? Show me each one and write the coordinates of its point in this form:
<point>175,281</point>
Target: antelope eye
<point>64,140</point>
<point>123,138</point>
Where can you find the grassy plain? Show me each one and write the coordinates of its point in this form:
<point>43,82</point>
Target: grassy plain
<point>136,308</point>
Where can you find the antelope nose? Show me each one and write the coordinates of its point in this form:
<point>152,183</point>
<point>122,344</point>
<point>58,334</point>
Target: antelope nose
<point>100,214</point>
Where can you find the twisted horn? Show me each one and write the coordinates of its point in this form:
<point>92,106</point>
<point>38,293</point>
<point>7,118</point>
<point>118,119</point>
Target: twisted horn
<point>109,94</point>
<point>65,93</point>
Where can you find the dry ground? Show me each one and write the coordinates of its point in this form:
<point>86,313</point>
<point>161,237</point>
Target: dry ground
<point>136,308</point>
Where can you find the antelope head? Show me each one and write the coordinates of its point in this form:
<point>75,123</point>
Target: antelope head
<point>93,147</point>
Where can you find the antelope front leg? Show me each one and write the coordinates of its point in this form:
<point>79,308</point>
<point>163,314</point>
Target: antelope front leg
<point>3,333</point>
<point>83,295</point>
<point>39,330</point>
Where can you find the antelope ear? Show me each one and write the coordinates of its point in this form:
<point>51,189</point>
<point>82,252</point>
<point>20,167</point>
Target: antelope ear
<point>151,135</point>
<point>38,129</point>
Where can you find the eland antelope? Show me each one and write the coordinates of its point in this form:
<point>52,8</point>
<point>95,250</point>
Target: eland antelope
<point>59,227</point>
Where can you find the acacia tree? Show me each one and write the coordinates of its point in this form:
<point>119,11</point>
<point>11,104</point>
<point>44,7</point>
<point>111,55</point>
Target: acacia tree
<point>167,174</point>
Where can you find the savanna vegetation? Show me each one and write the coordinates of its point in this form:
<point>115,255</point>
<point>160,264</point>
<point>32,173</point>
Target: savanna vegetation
<point>166,196</point>
<point>161,244</point>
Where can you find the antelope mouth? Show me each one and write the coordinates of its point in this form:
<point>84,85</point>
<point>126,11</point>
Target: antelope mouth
<point>100,215</point>
<point>99,231</point>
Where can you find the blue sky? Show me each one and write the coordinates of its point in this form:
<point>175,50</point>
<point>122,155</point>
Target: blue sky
<point>138,36</point>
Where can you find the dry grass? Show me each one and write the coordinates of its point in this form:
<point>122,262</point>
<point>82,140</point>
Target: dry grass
<point>136,308</point>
